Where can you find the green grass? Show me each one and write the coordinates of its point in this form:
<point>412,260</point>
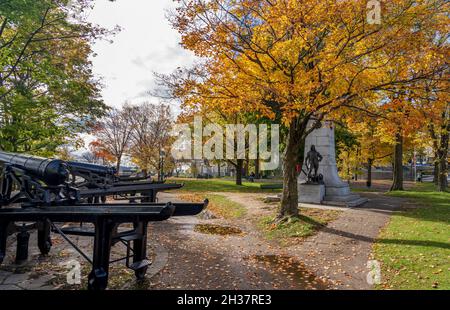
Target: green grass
<point>220,185</point>
<point>219,205</point>
<point>414,248</point>
<point>310,221</point>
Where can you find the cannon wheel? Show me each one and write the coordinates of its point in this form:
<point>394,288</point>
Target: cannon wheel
<point>97,280</point>
<point>44,240</point>
<point>140,273</point>
<point>45,246</point>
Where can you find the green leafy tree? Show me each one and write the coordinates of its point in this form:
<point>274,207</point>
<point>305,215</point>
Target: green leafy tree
<point>48,92</point>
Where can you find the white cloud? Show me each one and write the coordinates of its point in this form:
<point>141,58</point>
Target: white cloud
<point>146,44</point>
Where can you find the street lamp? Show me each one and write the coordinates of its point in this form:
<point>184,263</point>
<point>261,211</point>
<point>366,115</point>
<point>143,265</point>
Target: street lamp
<point>162,155</point>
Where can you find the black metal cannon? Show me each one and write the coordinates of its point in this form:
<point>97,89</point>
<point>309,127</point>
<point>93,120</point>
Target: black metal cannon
<point>36,191</point>
<point>39,181</point>
<point>91,175</point>
<point>51,171</point>
<point>97,182</point>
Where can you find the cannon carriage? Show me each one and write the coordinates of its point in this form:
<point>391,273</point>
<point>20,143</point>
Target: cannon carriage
<point>97,182</point>
<point>37,193</point>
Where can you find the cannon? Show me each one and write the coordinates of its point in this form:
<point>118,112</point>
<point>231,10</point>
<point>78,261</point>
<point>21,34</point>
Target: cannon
<point>37,191</point>
<point>90,175</point>
<point>97,182</point>
<point>51,171</point>
<point>34,181</point>
<point>98,176</point>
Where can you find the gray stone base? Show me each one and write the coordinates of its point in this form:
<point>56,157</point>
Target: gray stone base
<point>272,198</point>
<point>339,189</point>
<point>342,196</point>
<point>353,201</point>
<point>311,193</point>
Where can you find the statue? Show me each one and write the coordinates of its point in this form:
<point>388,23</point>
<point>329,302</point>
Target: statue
<point>313,158</point>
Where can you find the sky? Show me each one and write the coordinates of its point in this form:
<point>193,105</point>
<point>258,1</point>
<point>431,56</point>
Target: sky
<point>146,44</point>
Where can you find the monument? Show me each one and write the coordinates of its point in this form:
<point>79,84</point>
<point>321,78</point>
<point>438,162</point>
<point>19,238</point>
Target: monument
<point>313,190</point>
<point>325,186</point>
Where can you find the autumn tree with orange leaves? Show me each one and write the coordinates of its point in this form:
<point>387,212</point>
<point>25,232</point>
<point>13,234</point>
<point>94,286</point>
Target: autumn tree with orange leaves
<point>434,110</point>
<point>114,133</point>
<point>302,60</point>
<point>100,153</point>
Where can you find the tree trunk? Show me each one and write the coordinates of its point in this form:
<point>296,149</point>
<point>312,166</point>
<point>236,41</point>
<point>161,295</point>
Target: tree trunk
<point>348,168</point>
<point>369,172</point>
<point>397,184</point>
<point>294,141</point>
<point>257,167</point>
<point>239,167</point>
<point>218,169</point>
<point>443,168</point>
<point>119,159</point>
<point>436,169</point>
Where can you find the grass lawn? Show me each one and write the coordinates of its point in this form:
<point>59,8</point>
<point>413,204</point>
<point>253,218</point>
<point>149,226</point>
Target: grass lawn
<point>310,221</point>
<point>414,248</point>
<point>219,205</point>
<point>220,185</point>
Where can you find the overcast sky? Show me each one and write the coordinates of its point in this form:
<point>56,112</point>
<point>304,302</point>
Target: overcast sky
<point>146,44</point>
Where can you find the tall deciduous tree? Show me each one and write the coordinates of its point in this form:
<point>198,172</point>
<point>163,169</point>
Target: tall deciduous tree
<point>47,90</point>
<point>434,108</point>
<point>301,60</point>
<point>152,124</point>
<point>114,132</point>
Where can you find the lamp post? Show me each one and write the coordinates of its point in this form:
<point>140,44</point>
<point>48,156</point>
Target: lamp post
<point>415,165</point>
<point>162,155</point>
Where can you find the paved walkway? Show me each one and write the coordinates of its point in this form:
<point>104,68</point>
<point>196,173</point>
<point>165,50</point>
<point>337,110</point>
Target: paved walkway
<point>339,252</point>
<point>183,258</point>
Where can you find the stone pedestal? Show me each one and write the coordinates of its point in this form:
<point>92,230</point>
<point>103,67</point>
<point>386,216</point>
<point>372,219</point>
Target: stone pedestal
<point>337,192</point>
<point>311,193</point>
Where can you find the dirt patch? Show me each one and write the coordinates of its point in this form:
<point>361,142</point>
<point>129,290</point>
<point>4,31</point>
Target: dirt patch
<point>292,269</point>
<point>217,230</point>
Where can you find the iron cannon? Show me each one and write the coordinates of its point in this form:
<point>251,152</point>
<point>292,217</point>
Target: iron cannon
<point>51,171</point>
<point>38,191</point>
<point>97,182</point>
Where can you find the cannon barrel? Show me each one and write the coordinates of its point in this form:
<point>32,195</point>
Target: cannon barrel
<point>51,171</point>
<point>98,169</point>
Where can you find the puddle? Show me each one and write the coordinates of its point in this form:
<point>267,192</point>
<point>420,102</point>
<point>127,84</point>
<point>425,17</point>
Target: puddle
<point>212,229</point>
<point>292,269</point>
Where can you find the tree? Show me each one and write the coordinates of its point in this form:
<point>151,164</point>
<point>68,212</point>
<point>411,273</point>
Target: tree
<point>100,153</point>
<point>434,108</point>
<point>114,132</point>
<point>150,135</point>
<point>302,60</point>
<point>47,90</point>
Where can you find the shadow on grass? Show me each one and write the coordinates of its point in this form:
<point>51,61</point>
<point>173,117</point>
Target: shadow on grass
<point>338,232</point>
<point>431,206</point>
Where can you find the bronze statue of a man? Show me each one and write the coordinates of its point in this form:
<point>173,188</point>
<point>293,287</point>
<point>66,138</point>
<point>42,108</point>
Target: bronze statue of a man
<point>312,162</point>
